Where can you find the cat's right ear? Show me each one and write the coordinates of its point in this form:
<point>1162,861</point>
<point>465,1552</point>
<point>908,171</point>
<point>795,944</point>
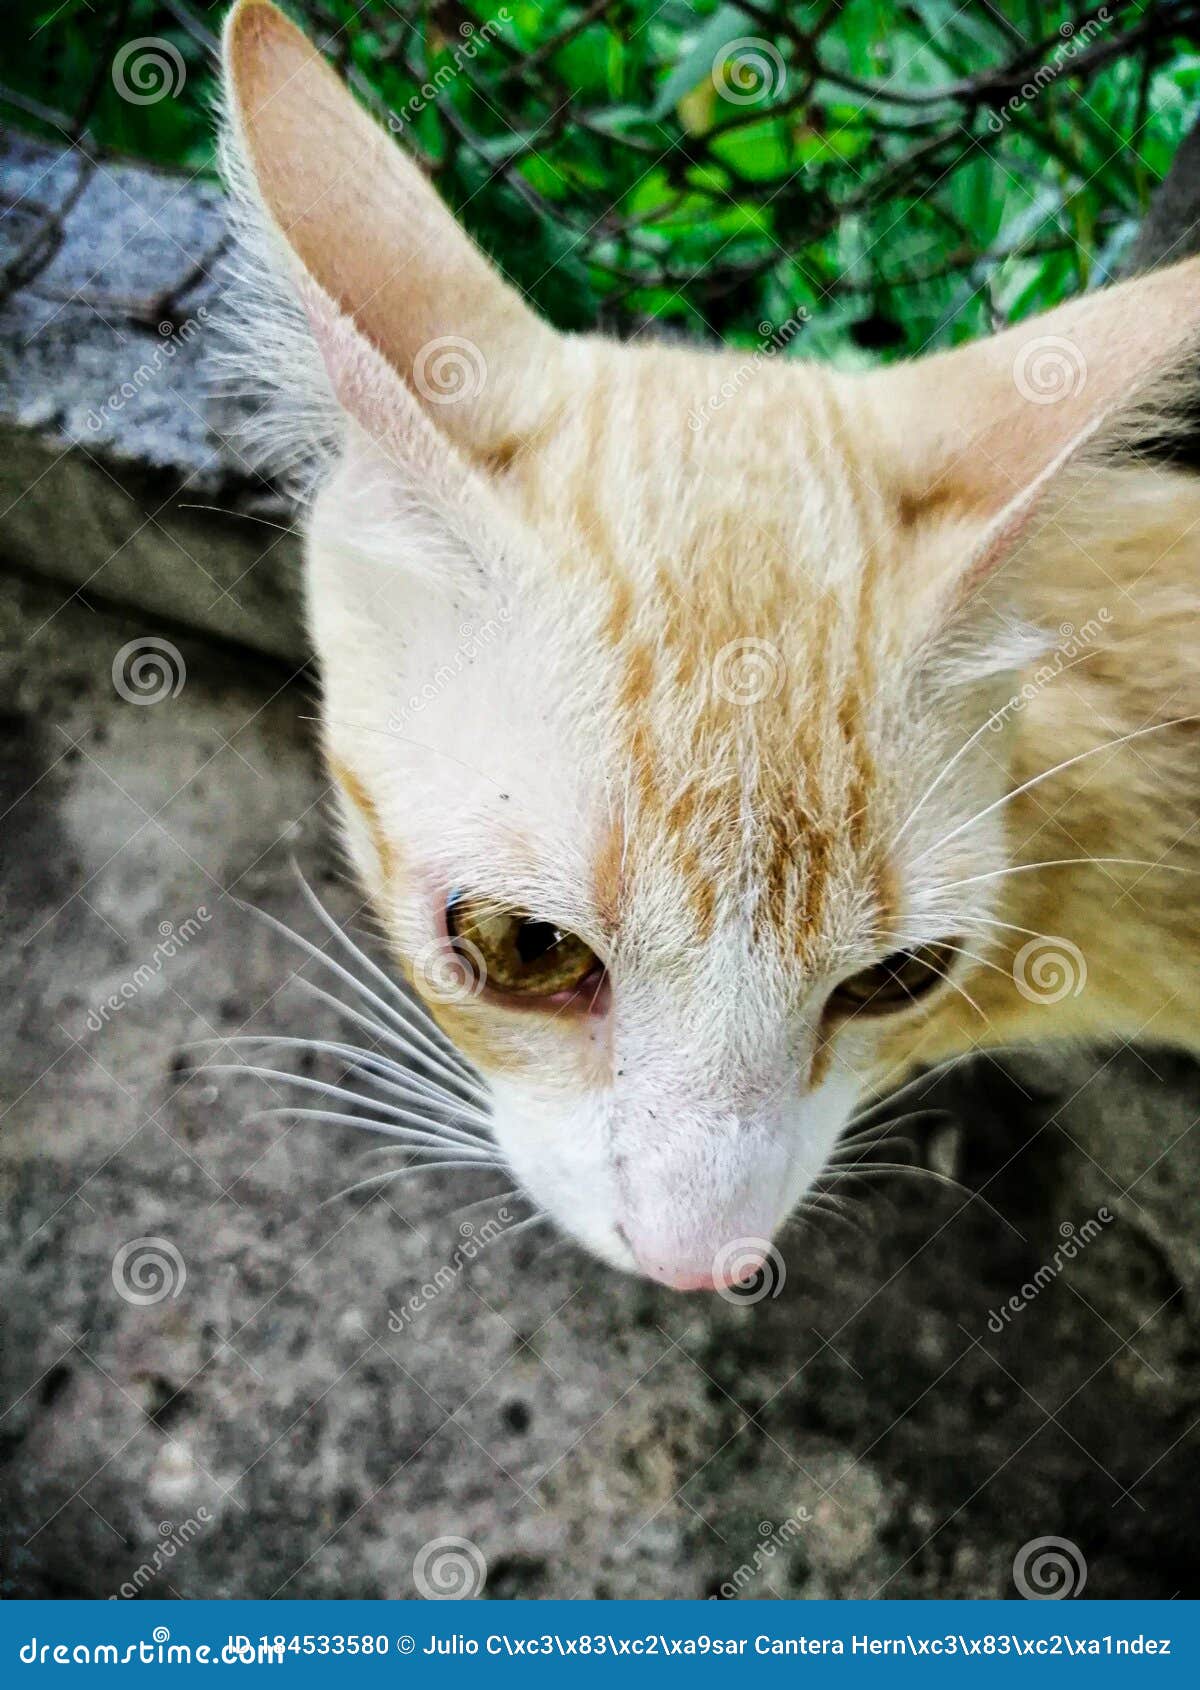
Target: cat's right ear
<point>410,319</point>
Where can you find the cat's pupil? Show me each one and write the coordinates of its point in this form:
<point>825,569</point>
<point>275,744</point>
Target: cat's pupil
<point>534,939</point>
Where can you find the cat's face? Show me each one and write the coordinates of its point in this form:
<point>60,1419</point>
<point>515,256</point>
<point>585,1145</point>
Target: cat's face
<point>674,697</point>
<point>656,694</point>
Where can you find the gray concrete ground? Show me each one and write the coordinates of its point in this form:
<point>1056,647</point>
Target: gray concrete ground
<point>260,1428</point>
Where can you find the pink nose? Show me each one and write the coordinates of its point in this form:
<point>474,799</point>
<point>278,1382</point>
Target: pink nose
<point>679,1279</point>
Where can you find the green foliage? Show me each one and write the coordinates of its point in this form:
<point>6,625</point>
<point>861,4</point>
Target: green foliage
<point>900,174</point>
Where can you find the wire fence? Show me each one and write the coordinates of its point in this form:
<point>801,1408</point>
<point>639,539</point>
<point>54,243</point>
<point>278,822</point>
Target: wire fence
<point>887,175</point>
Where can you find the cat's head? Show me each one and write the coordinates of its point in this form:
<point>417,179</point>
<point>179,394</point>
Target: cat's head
<point>656,682</point>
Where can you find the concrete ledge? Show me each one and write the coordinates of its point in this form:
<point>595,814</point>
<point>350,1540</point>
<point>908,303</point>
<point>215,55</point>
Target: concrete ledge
<point>120,467</point>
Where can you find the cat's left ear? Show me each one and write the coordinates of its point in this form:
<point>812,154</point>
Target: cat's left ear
<point>979,437</point>
<point>409,317</point>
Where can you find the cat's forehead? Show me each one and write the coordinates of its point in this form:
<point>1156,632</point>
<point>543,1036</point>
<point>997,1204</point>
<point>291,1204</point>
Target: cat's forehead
<point>663,467</point>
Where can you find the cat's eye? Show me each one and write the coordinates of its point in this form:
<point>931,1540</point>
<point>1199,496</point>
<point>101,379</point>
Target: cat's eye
<point>516,953</point>
<point>895,983</point>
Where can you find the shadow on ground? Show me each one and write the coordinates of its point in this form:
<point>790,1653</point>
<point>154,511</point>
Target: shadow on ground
<point>881,1427</point>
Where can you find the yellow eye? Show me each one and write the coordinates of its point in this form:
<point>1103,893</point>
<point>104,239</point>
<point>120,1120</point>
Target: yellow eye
<point>515,952</point>
<point>896,983</point>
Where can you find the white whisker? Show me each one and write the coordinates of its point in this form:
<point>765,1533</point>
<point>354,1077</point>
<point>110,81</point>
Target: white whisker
<point>399,1081</point>
<point>409,1117</point>
<point>1036,780</point>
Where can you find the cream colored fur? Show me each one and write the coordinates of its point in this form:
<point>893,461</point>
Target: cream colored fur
<point>730,702</point>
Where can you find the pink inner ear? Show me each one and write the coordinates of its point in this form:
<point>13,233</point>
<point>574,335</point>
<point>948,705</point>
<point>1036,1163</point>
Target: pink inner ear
<point>1005,534</point>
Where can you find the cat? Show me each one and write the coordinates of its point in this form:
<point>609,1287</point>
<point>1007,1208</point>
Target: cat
<point>717,751</point>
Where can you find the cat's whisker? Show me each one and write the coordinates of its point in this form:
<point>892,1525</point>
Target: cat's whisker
<point>812,1207</point>
<point>1046,774</point>
<point>513,1193</point>
<point>536,1219</point>
<point>1066,862</point>
<point>386,1035</point>
<point>409,1007</point>
<point>419,1142</point>
<point>390,1014</point>
<point>379,1069</point>
<point>867,1171</point>
<point>326,1088</point>
<point>388,1178</point>
<point>947,769</point>
<point>945,945</point>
